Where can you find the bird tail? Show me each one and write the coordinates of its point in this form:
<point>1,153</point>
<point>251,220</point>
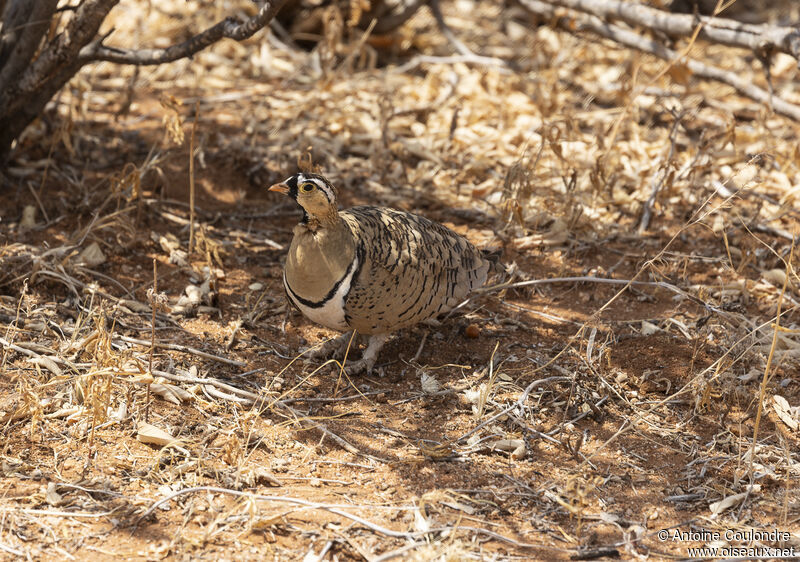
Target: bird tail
<point>493,257</point>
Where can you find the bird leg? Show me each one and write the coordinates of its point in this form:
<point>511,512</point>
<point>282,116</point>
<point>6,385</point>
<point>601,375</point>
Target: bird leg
<point>370,355</point>
<point>333,348</point>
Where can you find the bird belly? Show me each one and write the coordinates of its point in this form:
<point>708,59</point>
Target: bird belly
<point>329,312</point>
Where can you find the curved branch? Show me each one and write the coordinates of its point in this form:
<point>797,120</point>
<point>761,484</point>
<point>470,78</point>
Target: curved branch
<point>633,40</point>
<point>758,38</point>
<point>230,28</point>
<point>458,45</point>
<point>392,19</point>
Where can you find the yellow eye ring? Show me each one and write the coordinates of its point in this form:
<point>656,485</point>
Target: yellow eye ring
<point>306,187</point>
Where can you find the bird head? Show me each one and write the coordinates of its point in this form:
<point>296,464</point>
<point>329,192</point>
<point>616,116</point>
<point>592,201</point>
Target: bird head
<point>313,193</point>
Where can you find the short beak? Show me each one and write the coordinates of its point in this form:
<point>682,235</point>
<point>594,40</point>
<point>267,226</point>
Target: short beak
<point>280,188</point>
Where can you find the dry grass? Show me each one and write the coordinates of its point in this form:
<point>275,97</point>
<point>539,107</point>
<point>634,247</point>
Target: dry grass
<point>584,417</point>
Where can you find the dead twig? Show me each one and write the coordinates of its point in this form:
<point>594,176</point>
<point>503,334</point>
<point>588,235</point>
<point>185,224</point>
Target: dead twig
<point>517,404</point>
<point>191,179</point>
<point>589,279</point>
<point>463,50</point>
<point>248,398</point>
<point>758,38</point>
<point>579,21</point>
<point>153,307</point>
<point>659,177</point>
<point>230,28</point>
<point>283,499</point>
<point>762,389</point>
<point>454,59</point>
<point>686,388</point>
<point>184,349</point>
<point>337,510</point>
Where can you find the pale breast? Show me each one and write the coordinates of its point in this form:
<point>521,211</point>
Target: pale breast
<point>328,312</point>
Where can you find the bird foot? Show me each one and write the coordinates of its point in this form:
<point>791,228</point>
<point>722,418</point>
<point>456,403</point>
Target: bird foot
<point>359,367</point>
<point>334,348</point>
<point>368,358</point>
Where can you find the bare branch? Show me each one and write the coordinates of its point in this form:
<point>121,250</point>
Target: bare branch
<point>24,25</point>
<point>24,94</point>
<point>390,20</point>
<point>81,29</point>
<point>230,28</point>
<point>758,38</point>
<point>446,31</point>
<point>23,100</point>
<point>466,55</point>
<point>635,41</point>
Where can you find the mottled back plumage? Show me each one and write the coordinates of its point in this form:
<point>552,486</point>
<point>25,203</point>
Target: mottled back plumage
<point>412,269</point>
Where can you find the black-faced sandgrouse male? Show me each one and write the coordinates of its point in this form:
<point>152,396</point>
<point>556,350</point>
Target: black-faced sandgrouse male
<point>373,269</point>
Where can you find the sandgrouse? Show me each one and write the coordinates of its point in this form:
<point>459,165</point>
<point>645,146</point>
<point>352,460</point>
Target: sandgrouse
<point>373,269</point>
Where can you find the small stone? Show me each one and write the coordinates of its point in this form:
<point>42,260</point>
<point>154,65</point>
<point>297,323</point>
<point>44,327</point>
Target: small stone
<point>28,217</point>
<point>472,331</point>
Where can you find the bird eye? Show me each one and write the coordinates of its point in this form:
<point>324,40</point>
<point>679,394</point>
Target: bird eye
<point>306,187</point>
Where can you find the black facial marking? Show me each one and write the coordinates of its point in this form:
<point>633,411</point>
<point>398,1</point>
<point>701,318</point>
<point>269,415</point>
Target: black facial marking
<point>292,183</point>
